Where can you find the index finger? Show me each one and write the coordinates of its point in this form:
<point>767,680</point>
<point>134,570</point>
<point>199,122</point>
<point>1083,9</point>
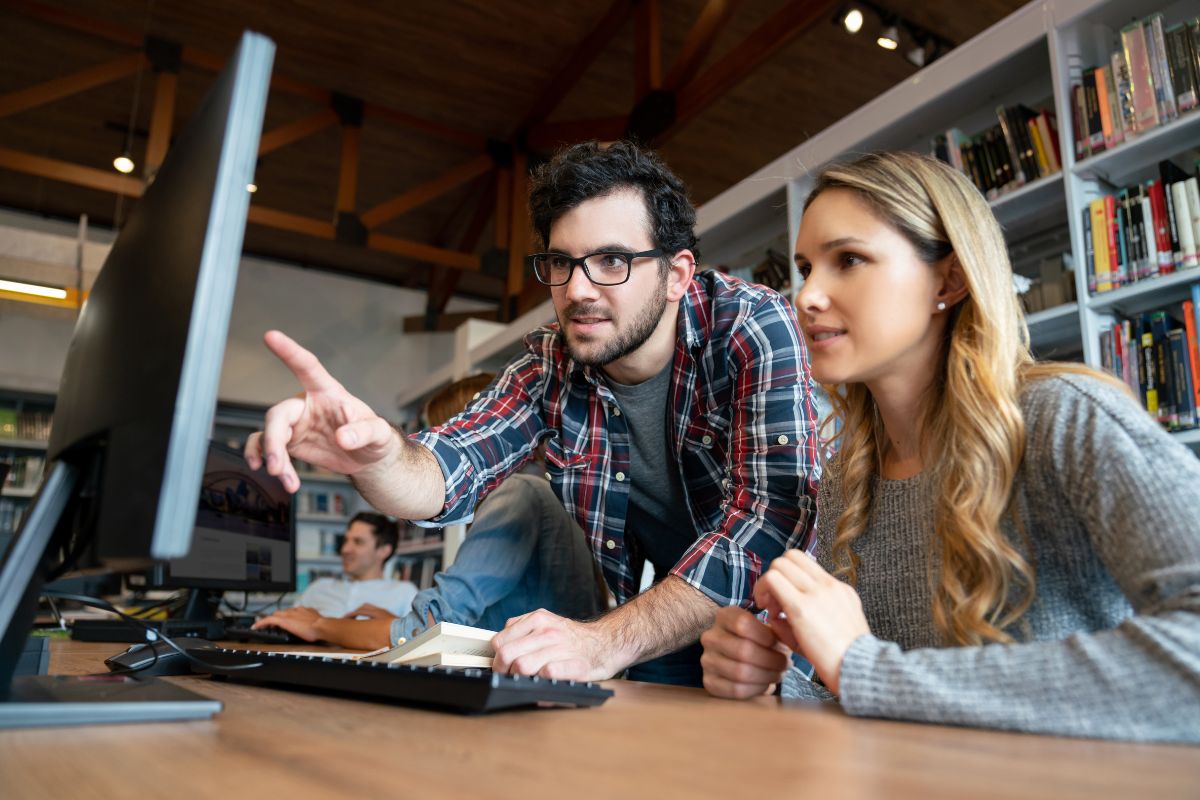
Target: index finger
<point>303,364</point>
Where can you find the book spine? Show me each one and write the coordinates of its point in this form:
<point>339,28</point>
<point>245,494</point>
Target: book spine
<point>1193,199</point>
<point>1149,233</point>
<point>1103,99</point>
<point>1125,260</point>
<point>1100,230</point>
<point>1192,326</point>
<point>1183,226</point>
<point>1183,77</point>
<point>1147,382</point>
<point>1114,254</point>
<point>1049,136</point>
<point>1141,86</point>
<point>1089,246</point>
<point>1185,411</point>
<point>1093,127</point>
<point>1158,205</point>
<point>1124,94</point>
<point>1163,372</point>
<point>1039,151</point>
<point>1160,71</point>
<point>1012,144</point>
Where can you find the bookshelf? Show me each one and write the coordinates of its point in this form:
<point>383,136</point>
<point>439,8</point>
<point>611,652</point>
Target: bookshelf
<point>1029,58</point>
<point>24,437</point>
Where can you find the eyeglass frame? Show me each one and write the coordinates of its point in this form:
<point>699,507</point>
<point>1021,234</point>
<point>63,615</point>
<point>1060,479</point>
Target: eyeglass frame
<point>657,252</point>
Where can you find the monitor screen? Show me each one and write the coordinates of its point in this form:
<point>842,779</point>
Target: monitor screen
<point>244,537</point>
<point>138,392</point>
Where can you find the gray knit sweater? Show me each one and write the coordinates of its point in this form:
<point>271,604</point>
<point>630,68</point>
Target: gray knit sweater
<point>1111,645</point>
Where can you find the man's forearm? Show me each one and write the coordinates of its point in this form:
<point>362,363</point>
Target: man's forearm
<point>357,634</point>
<point>410,485</point>
<point>660,620</point>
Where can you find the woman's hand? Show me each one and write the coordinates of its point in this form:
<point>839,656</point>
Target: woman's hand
<point>816,614</point>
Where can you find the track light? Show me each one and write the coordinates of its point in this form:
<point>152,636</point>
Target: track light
<point>123,163</point>
<point>33,289</point>
<point>916,57</point>
<point>889,39</point>
<point>852,20</point>
<point>251,187</point>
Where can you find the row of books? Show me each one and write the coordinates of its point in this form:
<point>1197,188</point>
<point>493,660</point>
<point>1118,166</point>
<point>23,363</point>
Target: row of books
<point>1020,148</point>
<point>25,424</point>
<point>1158,356</point>
<point>25,471</point>
<point>1143,231</point>
<point>418,571</point>
<point>315,501</point>
<point>1152,78</point>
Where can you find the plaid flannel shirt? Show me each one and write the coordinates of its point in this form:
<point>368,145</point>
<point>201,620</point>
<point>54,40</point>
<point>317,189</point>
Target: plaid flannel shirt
<point>743,425</point>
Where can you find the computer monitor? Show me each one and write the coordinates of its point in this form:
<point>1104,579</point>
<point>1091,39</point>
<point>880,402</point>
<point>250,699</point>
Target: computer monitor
<point>244,539</point>
<point>138,392</point>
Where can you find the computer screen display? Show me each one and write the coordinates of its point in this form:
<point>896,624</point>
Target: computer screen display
<point>244,537</point>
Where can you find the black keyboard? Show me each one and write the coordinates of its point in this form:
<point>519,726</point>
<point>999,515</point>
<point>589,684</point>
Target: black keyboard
<point>244,633</point>
<point>466,690</point>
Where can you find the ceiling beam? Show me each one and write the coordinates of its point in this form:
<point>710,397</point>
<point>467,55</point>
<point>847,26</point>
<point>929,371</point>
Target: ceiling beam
<point>647,52</point>
<point>578,58</point>
<point>423,252</point>
<point>552,134</point>
<point>348,168</point>
<point>419,195</point>
<point>294,223</point>
<point>203,59</point>
<point>699,42</point>
<point>161,119</point>
<point>68,85</point>
<point>294,131</point>
<point>471,141</point>
<point>783,26</point>
<point>105,180</point>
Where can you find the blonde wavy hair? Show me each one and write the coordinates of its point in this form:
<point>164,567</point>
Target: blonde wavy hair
<point>972,430</point>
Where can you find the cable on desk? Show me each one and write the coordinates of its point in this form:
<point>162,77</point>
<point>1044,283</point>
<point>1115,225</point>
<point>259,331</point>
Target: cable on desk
<point>152,634</point>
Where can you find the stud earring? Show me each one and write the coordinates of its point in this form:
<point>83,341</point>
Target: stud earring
<point>941,306</point>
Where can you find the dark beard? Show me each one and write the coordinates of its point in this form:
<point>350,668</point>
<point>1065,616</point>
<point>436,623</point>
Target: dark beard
<point>624,343</point>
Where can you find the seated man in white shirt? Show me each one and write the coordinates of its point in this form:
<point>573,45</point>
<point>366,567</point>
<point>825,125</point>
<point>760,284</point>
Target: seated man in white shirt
<point>369,542</point>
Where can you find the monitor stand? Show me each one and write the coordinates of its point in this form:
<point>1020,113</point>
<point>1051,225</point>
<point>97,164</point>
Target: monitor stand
<point>60,699</point>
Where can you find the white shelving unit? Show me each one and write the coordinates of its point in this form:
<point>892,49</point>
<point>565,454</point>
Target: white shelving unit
<point>1023,58</point>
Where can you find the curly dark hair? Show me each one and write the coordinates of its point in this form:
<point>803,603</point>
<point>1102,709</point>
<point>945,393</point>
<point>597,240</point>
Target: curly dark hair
<point>386,530</point>
<point>590,169</point>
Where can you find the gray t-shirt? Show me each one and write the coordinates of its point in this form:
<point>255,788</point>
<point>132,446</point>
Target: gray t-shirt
<point>1111,645</point>
<point>658,517</point>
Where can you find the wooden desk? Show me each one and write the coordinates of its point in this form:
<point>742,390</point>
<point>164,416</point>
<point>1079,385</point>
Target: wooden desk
<point>647,741</point>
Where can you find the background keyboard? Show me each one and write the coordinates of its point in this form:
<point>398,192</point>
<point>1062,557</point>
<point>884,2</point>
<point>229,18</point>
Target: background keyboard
<point>466,690</point>
<point>244,633</point>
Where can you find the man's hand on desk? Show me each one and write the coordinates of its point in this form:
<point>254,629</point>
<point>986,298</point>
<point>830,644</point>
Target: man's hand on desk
<point>358,634</point>
<point>545,644</point>
<point>298,621</point>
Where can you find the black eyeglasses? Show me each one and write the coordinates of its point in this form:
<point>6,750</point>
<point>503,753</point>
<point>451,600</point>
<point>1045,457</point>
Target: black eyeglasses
<point>602,269</point>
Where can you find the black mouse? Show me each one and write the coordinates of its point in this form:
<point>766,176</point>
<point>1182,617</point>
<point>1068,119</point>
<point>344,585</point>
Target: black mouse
<point>140,658</point>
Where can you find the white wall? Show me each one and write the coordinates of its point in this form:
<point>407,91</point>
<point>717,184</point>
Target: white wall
<point>354,326</point>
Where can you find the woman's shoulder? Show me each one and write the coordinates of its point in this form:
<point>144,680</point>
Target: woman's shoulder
<point>1075,392</point>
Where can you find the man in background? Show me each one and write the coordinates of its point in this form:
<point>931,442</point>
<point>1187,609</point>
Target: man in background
<point>370,540</point>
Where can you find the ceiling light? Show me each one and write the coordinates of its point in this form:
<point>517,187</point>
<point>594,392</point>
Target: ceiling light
<point>889,39</point>
<point>123,164</point>
<point>853,21</point>
<point>251,187</point>
<point>33,289</point>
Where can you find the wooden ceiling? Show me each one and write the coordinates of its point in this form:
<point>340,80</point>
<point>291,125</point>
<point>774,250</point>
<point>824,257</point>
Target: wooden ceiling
<point>450,90</point>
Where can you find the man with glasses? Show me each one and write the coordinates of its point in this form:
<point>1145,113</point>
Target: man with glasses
<point>676,406</point>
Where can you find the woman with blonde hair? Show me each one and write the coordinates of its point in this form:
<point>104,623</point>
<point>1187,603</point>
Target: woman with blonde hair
<point>1000,543</point>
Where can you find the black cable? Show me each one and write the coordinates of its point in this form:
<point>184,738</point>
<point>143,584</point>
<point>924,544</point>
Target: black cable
<point>96,602</point>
